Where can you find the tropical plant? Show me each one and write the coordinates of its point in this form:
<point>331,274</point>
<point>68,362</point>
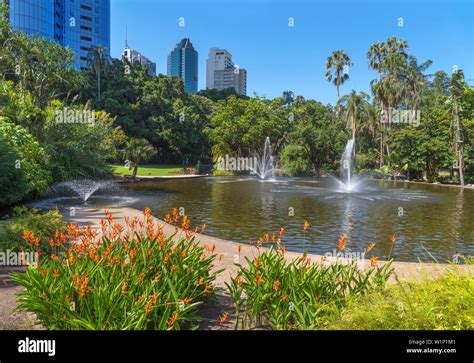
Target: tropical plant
<point>337,66</point>
<point>137,151</point>
<point>270,291</point>
<point>132,278</point>
<point>12,179</point>
<point>42,224</point>
<point>355,107</point>
<point>32,157</point>
<point>443,303</point>
<point>99,64</point>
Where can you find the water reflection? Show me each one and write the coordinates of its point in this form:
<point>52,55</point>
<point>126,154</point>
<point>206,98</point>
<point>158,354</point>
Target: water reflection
<point>435,220</point>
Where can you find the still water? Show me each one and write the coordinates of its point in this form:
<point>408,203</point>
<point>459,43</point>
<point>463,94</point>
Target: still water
<point>428,221</point>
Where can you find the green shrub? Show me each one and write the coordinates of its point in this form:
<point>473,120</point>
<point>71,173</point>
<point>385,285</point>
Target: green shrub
<point>12,180</point>
<point>42,224</point>
<point>446,302</point>
<point>31,155</point>
<point>295,161</point>
<point>131,278</point>
<point>298,294</point>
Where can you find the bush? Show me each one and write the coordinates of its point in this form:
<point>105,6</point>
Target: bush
<point>297,294</point>
<point>132,278</point>
<point>446,303</point>
<point>295,161</point>
<point>31,155</point>
<point>42,224</point>
<point>12,180</point>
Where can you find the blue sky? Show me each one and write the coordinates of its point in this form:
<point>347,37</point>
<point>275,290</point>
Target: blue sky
<point>278,57</point>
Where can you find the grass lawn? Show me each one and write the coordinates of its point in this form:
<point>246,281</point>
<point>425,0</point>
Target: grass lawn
<point>149,170</point>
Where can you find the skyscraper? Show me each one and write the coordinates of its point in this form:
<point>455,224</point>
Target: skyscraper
<point>221,73</point>
<point>76,24</point>
<point>133,55</point>
<point>183,63</point>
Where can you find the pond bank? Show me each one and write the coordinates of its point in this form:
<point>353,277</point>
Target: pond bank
<point>228,252</point>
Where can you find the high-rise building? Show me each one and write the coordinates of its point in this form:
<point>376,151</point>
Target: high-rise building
<point>183,63</point>
<point>133,55</point>
<point>221,73</point>
<point>76,24</point>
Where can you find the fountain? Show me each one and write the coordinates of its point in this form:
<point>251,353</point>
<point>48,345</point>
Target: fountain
<point>347,182</point>
<point>264,167</point>
<point>84,188</point>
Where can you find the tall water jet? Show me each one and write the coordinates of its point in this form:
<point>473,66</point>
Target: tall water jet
<point>265,168</point>
<point>347,164</point>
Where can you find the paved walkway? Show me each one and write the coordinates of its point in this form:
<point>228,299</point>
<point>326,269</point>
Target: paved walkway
<point>228,252</point>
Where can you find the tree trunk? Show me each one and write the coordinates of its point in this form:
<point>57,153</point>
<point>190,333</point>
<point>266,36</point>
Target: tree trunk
<point>98,83</point>
<point>461,164</point>
<point>135,170</point>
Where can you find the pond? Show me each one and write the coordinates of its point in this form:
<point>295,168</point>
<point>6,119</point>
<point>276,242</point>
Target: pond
<point>429,221</point>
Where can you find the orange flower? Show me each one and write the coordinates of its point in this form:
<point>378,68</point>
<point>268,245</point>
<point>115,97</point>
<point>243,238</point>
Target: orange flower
<point>284,297</point>
<point>55,272</point>
<point>394,238</point>
<point>124,289</point>
<point>175,214</point>
<point>208,288</point>
<point>187,300</point>
<point>168,219</point>
<point>239,280</point>
<point>147,212</point>
<point>30,237</point>
<point>276,285</point>
<point>342,242</point>
<point>172,320</point>
<point>373,261</point>
<point>282,230</point>
<point>203,228</point>
<point>370,247</point>
<point>223,318</point>
<point>306,226</point>
<point>148,306</point>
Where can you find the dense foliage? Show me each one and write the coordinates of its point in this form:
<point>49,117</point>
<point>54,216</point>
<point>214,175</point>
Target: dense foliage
<point>42,224</point>
<point>131,278</point>
<point>270,291</point>
<point>446,302</point>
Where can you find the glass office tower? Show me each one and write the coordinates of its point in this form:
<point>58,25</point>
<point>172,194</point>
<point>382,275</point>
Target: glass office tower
<point>76,24</point>
<point>183,63</point>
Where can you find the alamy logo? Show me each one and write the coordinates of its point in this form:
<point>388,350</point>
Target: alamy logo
<point>230,163</point>
<point>37,346</point>
<point>70,116</point>
<point>392,115</point>
<point>13,258</point>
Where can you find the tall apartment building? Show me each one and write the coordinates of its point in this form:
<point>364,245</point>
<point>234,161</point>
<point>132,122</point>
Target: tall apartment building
<point>183,63</point>
<point>135,56</point>
<point>76,24</point>
<point>221,73</point>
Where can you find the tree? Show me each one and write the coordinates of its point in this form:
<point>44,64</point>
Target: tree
<point>12,180</point>
<point>355,107</point>
<point>337,66</point>
<point>456,88</point>
<point>387,58</point>
<point>99,63</point>
<point>138,150</point>
<point>288,97</point>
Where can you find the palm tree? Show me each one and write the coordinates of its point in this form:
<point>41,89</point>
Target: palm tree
<point>336,66</point>
<point>388,59</point>
<point>98,61</point>
<point>355,106</point>
<point>138,150</point>
<point>456,89</point>
<point>288,97</point>
<point>413,80</point>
